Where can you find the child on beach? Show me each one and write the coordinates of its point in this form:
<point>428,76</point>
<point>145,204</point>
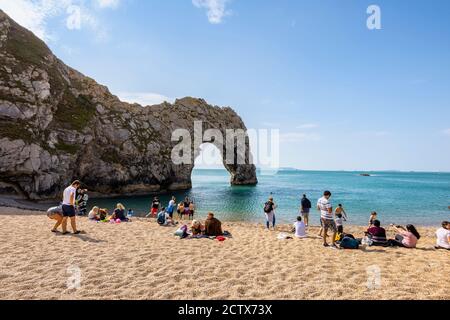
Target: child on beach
<point>340,222</point>
<point>340,210</point>
<point>94,214</point>
<point>373,217</point>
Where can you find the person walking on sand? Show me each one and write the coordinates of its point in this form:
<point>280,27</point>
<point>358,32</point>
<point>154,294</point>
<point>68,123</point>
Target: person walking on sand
<point>69,207</point>
<point>326,216</point>
<point>269,211</point>
<point>305,208</point>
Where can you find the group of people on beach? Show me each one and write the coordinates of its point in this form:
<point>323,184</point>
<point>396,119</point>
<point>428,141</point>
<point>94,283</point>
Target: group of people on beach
<point>333,221</point>
<point>330,221</point>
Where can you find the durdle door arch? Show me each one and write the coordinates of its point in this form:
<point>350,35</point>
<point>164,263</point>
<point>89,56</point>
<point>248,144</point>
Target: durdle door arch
<point>57,125</point>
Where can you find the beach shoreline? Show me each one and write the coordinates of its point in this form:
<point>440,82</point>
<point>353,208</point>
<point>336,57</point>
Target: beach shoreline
<point>141,260</point>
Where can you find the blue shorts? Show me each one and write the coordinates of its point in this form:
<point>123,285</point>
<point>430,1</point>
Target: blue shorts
<point>68,211</point>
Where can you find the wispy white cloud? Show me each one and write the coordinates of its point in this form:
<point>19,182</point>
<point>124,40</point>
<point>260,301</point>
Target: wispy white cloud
<point>77,14</point>
<point>215,9</point>
<point>298,136</point>
<point>108,3</point>
<point>446,132</point>
<point>271,124</point>
<point>144,98</point>
<point>308,126</point>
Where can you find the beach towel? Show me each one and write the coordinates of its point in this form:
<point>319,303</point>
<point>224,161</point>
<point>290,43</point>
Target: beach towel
<point>283,236</point>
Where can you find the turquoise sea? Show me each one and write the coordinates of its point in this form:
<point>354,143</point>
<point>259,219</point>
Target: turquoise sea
<point>398,197</point>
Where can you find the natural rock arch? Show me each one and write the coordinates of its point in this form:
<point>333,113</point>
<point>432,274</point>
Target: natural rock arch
<point>57,125</point>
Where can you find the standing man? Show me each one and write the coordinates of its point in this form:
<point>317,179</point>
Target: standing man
<point>269,211</point>
<point>304,209</point>
<point>68,207</point>
<point>326,217</point>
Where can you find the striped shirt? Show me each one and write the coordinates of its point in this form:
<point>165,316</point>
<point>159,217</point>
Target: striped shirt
<point>325,205</point>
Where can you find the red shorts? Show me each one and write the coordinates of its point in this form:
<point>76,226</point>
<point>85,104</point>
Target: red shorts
<point>154,211</point>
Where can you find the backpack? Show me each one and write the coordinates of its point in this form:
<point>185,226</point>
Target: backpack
<point>349,243</point>
<point>268,207</point>
<point>161,218</point>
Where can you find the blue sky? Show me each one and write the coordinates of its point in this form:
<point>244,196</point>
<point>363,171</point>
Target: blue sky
<point>344,97</point>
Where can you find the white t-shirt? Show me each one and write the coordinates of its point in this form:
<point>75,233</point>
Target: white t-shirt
<point>324,205</point>
<point>442,238</point>
<point>67,193</point>
<point>339,221</point>
<point>92,215</point>
<point>300,230</point>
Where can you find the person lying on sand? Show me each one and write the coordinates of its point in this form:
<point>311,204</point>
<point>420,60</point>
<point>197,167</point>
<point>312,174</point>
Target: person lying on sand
<point>55,213</point>
<point>213,226</point>
<point>406,237</point>
<point>443,236</point>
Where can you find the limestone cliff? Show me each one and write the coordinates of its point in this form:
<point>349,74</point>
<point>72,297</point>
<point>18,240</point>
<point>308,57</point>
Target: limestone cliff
<point>57,125</point>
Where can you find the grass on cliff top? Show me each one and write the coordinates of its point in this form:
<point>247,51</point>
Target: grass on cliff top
<point>74,112</point>
<point>25,46</point>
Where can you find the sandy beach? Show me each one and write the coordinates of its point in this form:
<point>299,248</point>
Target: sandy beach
<point>141,260</point>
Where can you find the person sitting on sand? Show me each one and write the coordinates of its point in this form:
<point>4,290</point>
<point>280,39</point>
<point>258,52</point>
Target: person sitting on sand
<point>213,226</point>
<point>163,218</point>
<point>300,228</point>
<point>406,237</point>
<point>377,234</point>
<point>373,217</point>
<point>55,213</point>
<point>119,213</point>
<point>94,214</point>
<point>197,228</point>
<point>104,215</point>
<point>443,236</point>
